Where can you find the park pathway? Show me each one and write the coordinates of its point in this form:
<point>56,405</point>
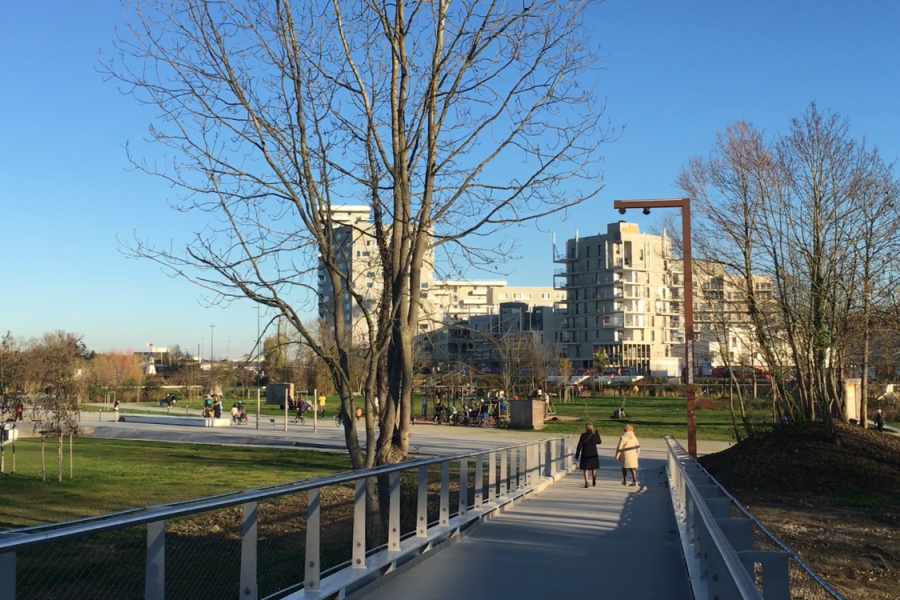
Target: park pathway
<point>568,542</point>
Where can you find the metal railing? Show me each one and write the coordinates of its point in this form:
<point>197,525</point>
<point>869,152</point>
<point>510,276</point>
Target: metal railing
<point>307,539</point>
<point>729,553</point>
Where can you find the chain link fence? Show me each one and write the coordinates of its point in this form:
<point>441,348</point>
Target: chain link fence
<point>805,583</point>
<point>105,566</point>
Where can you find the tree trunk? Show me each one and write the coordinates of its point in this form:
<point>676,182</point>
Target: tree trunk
<point>59,456</point>
<point>864,384</point>
<point>43,460</point>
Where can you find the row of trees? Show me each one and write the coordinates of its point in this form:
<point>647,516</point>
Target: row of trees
<point>815,212</point>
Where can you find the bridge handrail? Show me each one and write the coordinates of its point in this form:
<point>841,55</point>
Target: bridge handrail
<point>774,539</point>
<point>783,573</point>
<point>174,510</point>
<point>488,479</point>
<point>690,499</point>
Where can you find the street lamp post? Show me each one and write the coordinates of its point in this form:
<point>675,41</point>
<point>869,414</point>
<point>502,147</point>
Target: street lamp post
<point>685,205</point>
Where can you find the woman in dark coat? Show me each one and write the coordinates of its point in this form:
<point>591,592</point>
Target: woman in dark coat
<point>587,453</point>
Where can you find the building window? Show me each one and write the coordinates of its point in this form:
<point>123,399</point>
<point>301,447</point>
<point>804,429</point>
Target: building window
<point>504,296</point>
<point>587,250</point>
<point>545,296</point>
<point>424,285</point>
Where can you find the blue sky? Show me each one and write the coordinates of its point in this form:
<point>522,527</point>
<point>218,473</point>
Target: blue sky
<point>676,72</point>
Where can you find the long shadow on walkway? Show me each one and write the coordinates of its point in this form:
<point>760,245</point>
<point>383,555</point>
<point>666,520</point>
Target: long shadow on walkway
<point>567,543</point>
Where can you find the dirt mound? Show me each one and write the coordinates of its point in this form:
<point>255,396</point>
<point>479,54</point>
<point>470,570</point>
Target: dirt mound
<point>836,504</point>
<point>803,459</point>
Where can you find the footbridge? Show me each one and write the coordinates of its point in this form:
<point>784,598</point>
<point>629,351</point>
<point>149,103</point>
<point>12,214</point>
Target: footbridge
<point>509,522</point>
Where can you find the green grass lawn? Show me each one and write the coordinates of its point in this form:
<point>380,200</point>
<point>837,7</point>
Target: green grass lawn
<point>113,475</point>
<point>650,416</point>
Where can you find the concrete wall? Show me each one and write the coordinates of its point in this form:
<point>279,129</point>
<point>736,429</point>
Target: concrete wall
<point>275,392</point>
<point>526,414</point>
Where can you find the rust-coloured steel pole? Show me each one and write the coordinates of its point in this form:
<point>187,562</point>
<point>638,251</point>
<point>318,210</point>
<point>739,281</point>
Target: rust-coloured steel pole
<point>689,326</point>
<point>685,205</point>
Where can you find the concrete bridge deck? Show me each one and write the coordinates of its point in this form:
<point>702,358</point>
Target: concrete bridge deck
<point>567,542</point>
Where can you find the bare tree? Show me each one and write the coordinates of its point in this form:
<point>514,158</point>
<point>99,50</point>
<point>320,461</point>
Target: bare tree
<point>565,371</point>
<point>278,113</point>
<point>878,218</point>
<point>790,210</point>
<point>540,358</point>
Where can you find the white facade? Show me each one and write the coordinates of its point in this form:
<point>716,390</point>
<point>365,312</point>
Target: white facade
<point>623,295</point>
<point>442,301</point>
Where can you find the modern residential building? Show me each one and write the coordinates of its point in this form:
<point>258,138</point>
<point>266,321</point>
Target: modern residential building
<point>724,332</point>
<point>442,301</point>
<point>449,301</point>
<point>623,295</point>
<point>481,340</point>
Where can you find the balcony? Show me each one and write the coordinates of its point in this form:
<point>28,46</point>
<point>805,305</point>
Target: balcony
<point>563,257</point>
<point>613,321</point>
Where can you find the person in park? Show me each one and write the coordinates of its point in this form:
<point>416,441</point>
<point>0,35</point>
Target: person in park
<point>879,420</point>
<point>627,452</point>
<point>321,406</point>
<point>302,408</point>
<point>587,454</point>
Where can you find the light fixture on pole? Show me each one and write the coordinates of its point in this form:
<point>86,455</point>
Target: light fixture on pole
<point>688,300</point>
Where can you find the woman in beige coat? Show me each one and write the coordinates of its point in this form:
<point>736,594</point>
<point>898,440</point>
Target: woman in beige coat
<point>627,452</point>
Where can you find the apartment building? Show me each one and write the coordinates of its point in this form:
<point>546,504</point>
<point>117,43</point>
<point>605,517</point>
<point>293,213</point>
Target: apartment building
<point>623,295</point>
<point>449,301</point>
<point>442,301</point>
<point>481,339</point>
<point>357,255</point>
<point>724,331</point>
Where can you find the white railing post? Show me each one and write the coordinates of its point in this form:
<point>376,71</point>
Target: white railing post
<point>463,486</point>
<point>445,493</point>
<point>313,523</point>
<point>548,459</point>
<point>358,560</point>
<point>249,536</point>
<point>422,508</point>
<point>479,481</point>
<point>519,454</point>
<point>534,464</point>
<point>394,517</point>
<point>155,577</point>
<point>504,473</point>
<point>492,477</point>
